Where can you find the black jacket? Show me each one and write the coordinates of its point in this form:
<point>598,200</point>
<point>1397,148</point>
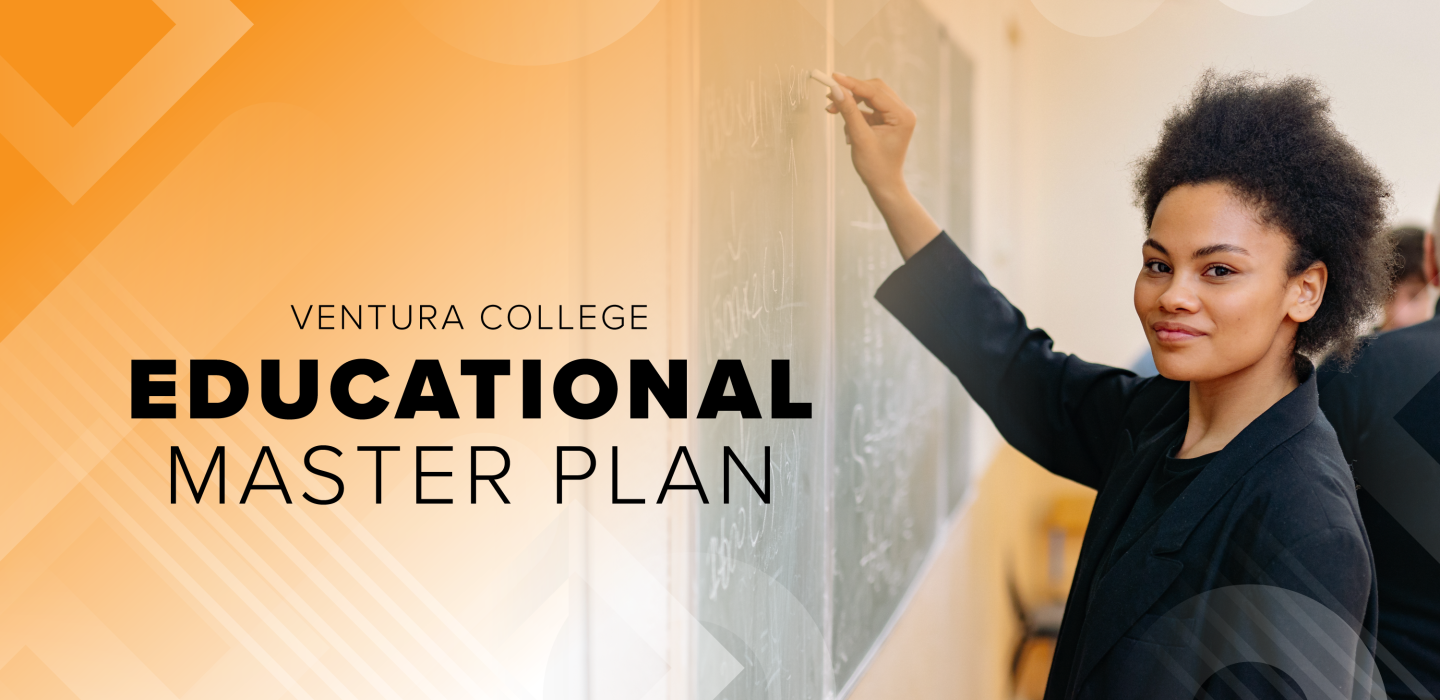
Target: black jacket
<point>1213,583</point>
<point>1386,412</point>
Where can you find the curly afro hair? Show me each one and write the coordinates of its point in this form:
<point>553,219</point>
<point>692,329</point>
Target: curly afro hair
<point>1274,144</point>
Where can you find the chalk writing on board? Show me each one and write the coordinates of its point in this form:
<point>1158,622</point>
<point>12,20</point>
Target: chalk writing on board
<point>801,590</point>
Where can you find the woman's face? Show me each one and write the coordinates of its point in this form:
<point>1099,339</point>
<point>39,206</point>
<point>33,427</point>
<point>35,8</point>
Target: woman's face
<point>1214,295</point>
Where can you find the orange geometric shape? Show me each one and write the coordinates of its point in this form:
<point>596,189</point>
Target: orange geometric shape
<point>133,601</point>
<point>28,678</point>
<point>72,158</point>
<point>72,52</point>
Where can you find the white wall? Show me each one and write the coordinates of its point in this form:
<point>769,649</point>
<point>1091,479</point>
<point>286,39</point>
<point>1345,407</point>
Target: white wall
<point>1088,107</point>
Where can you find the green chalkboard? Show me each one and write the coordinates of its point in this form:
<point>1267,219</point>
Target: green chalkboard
<point>790,251</point>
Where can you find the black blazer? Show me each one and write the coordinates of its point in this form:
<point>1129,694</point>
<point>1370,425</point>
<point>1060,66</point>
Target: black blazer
<point>1273,512</point>
<point>1386,412</point>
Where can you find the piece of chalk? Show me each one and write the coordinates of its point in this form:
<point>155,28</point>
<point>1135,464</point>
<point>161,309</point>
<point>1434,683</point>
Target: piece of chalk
<point>824,79</point>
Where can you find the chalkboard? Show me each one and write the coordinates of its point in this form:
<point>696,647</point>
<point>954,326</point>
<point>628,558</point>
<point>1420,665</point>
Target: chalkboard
<point>791,250</point>
<point>763,294</point>
<point>894,457</point>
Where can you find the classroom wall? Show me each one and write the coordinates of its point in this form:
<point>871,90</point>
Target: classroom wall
<point>1087,107</point>
<point>957,638</point>
<point>1060,118</point>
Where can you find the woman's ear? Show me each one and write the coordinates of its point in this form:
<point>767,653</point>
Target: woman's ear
<point>1307,290</point>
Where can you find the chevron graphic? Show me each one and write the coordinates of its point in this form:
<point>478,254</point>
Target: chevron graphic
<point>73,158</point>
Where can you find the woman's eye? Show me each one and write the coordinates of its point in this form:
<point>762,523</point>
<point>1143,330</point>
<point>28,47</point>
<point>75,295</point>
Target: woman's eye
<point>1157,267</point>
<point>1220,271</point>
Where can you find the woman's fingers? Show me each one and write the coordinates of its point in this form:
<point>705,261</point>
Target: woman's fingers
<point>857,125</point>
<point>873,92</point>
<point>887,108</point>
<point>873,118</point>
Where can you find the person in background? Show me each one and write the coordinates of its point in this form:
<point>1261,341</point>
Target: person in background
<point>1386,413</point>
<point>1409,303</point>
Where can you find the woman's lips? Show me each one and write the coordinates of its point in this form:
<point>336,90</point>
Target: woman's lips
<point>1175,332</point>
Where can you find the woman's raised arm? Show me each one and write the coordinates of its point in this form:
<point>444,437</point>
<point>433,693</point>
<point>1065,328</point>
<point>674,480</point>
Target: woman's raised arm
<point>878,141</point>
<point>1062,412</point>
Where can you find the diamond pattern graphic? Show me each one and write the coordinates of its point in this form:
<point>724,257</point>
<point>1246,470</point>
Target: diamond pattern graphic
<point>1421,417</point>
<point>74,156</point>
<point>73,52</point>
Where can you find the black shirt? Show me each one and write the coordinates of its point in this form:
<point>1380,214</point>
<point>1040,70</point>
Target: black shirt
<point>1271,519</point>
<point>1386,413</point>
<point>1165,484</point>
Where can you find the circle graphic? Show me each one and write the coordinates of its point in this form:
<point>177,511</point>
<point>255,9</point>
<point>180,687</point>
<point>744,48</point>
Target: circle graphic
<point>1096,18</point>
<point>1265,8</point>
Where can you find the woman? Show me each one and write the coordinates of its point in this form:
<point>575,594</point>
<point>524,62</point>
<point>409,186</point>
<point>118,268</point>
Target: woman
<point>1225,513</point>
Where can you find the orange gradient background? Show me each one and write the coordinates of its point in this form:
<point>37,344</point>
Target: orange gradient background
<point>174,174</point>
<point>329,153</point>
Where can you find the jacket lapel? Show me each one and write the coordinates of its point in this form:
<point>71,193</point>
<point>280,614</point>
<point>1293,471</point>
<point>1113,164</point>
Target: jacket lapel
<point>1136,580</point>
<point>1115,500</point>
<point>1276,425</point>
<point>1139,578</point>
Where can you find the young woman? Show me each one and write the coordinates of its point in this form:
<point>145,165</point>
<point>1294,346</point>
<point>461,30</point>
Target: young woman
<point>1225,554</point>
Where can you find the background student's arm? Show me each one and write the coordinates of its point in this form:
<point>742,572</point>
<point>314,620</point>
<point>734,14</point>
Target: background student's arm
<point>1058,410</point>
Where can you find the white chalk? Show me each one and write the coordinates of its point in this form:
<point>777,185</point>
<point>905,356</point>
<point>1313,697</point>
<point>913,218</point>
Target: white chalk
<point>824,79</point>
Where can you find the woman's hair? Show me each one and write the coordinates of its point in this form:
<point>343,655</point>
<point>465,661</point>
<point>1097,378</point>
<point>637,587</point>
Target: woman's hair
<point>1274,144</point>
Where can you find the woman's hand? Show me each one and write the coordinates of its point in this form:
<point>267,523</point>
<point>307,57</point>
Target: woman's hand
<point>878,140</point>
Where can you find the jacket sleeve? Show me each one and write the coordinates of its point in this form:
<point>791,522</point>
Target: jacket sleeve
<point>1332,566</point>
<point>1062,412</point>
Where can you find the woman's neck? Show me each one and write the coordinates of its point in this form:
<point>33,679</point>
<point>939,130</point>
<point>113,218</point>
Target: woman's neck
<point>1220,408</point>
